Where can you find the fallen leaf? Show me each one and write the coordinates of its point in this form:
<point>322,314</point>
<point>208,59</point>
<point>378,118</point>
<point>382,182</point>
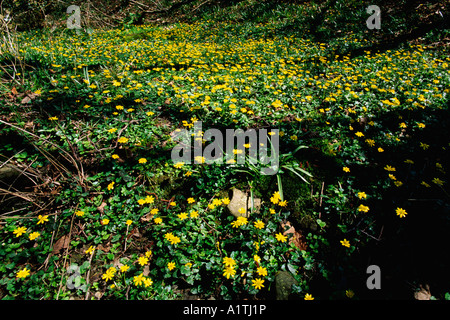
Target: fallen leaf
<point>62,243</point>
<point>297,238</point>
<point>101,207</point>
<point>14,91</point>
<point>423,293</point>
<point>147,217</point>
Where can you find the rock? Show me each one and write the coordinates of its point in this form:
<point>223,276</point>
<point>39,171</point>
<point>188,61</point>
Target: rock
<point>283,284</point>
<point>242,200</point>
<point>8,171</point>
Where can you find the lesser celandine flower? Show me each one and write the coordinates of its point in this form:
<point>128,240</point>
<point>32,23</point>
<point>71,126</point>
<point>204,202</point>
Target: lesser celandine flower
<point>259,224</point>
<point>34,235</point>
<point>362,195</point>
<point>363,208</point>
<point>280,237</point>
<point>345,243</point>
<point>90,250</point>
<point>308,296</point>
<point>401,212</point>
<point>19,231</point>
<point>258,283</point>
<point>157,220</point>
<point>23,273</point>
<point>79,213</point>
<point>262,271</point>
<point>42,219</point>
<point>171,266</point>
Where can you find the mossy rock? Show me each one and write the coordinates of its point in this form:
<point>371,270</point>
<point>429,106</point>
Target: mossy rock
<point>283,285</point>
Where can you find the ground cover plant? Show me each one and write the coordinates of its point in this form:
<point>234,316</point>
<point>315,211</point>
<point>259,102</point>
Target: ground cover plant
<point>93,207</point>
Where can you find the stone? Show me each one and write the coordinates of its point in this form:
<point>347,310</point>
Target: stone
<point>242,200</point>
<point>283,284</point>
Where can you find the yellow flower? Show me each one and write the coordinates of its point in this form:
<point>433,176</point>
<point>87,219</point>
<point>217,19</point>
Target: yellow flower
<point>257,258</point>
<point>425,184</point>
<point>424,146</point>
<point>362,195</point>
<point>119,107</point>
<point>188,173</point>
<point>34,235</point>
<point>282,203</point>
<point>182,216</point>
<point>115,156</point>
<point>389,168</point>
<point>23,273</point>
<point>112,130</point>
<point>124,268</point>
<point>171,266</point>
<point>142,160</point>
<point>143,260</point>
<point>281,237</point>
<point>349,293</point>
<point>90,250</point>
<point>128,222</point>
<point>363,208</point>
<point>308,297</point>
<point>225,201</point>
<point>42,219</point>
<point>111,186</point>
<point>19,231</point>
<point>391,176</point>
<point>138,279</point>
<point>242,210</point>
<point>108,275</point>
<point>380,149</point>
<point>190,200</point>
<point>79,213</point>
<point>53,118</point>
<point>359,134</point>
<point>258,283</point>
<point>173,203</point>
<point>345,243</point>
<point>229,262</point>
<point>194,214</point>
<point>346,169</point>
<point>262,271</point>
<point>105,221</point>
<point>148,253</point>
<point>401,212</point>
<point>122,140</point>
<point>259,224</point>
<point>229,272</point>
<point>178,165</point>
<point>147,282</point>
<point>158,220</point>
<point>438,181</point>
<point>398,183</point>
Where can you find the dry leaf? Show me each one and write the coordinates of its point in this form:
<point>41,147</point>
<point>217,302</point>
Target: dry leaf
<point>147,217</point>
<point>296,238</point>
<point>14,91</point>
<point>101,207</point>
<point>62,243</point>
<point>423,293</point>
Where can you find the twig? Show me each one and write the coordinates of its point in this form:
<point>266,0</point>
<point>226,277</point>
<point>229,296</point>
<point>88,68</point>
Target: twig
<point>320,200</point>
<point>67,252</point>
<point>87,277</point>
